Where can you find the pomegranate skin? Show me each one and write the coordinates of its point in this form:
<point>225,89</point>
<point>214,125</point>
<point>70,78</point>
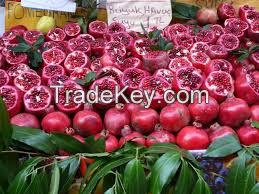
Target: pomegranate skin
<point>233,112</point>
<point>116,118</point>
<point>174,117</point>
<point>144,120</point>
<point>220,131</point>
<point>55,122</point>
<point>87,123</point>
<point>255,113</point>
<point>192,138</point>
<point>134,137</point>
<point>111,142</point>
<point>26,120</point>
<point>131,107</point>
<point>160,137</point>
<point>207,16</point>
<point>202,112</point>
<point>248,135</point>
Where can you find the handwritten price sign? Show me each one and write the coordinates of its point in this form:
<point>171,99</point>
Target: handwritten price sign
<point>132,13</point>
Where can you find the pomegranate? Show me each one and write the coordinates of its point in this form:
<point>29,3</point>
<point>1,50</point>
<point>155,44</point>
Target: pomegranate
<point>171,31</point>
<point>159,136</point>
<point>111,72</point>
<point>115,48</point>
<point>207,36</point>
<point>144,120</point>
<point>12,99</point>
<point>154,60</point>
<point>254,58</point>
<point>250,16</point>
<point>116,118</point>
<point>131,136</point>
<point>130,63</point>
<point>219,84</point>
<point>217,131</point>
<point>56,34</point>
<point>207,16</point>
<point>89,38</point>
<point>4,78</point>
<point>97,47</point>
<point>237,23</point>
<point>57,80</point>
<point>199,60</point>
<point>124,38</point>
<point>226,10</point>
<point>37,100</point>
<point>141,47</point>
<point>51,70</point>
<point>16,70</point>
<point>217,52</point>
<point>72,29</point>
<point>79,44</point>
<point>192,138</point>
<point>178,63</point>
<point>217,29</point>
<point>109,59</point>
<point>229,41</point>
<point>233,29</point>
<point>253,31</point>
<point>174,117</point>
<point>26,80</point>
<point>248,135</point>
<point>31,36</point>
<point>218,65</point>
<point>26,120</point>
<point>79,73</point>
<point>183,40</point>
<point>53,56</point>
<point>96,65</point>
<point>55,122</point>
<point>111,142</point>
<point>15,58</point>
<point>244,9</point>
<point>115,27</point>
<point>131,107</point>
<point>255,113</point>
<point>165,74</point>
<point>233,112</point>
<point>247,87</point>
<point>87,122</point>
<point>76,59</point>
<point>199,47</point>
<point>98,29</point>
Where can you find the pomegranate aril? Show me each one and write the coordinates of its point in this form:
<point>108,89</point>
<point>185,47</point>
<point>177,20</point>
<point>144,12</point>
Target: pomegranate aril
<point>26,80</point>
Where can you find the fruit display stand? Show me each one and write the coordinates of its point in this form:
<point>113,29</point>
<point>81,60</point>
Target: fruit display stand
<point>53,146</point>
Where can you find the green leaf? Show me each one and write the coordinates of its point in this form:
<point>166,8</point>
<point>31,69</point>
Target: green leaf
<point>35,138</point>
<point>224,146</point>
<point>162,148</point>
<point>93,146</point>
<point>20,48</point>
<point>21,40</point>
<point>250,178</point>
<point>80,20</point>
<point>6,129</point>
<point>163,171</point>
<point>110,191</point>
<point>255,124</point>
<point>177,15</point>
<point>186,179</point>
<point>169,46</point>
<point>90,77</point>
<point>37,184</point>
<point>206,27</point>
<point>39,42</point>
<point>242,57</point>
<point>134,178</point>
<point>201,187</point>
<point>55,179</point>
<point>255,189</point>
<point>144,29</point>
<point>253,49</point>
<point>103,171</point>
<point>235,179</point>
<point>19,184</point>
<point>185,11</point>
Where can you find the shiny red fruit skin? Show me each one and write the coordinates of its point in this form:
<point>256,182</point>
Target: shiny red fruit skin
<point>221,132</point>
<point>174,117</point>
<point>26,120</point>
<point>248,135</point>
<point>255,113</point>
<point>192,138</point>
<point>134,137</point>
<point>144,120</point>
<point>111,142</point>
<point>55,122</point>
<point>160,137</point>
<point>87,123</point>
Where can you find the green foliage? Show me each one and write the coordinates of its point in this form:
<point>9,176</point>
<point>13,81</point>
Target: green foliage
<point>184,11</point>
<point>243,53</point>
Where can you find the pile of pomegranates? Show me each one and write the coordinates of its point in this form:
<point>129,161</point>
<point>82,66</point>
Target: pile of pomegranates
<point>200,60</point>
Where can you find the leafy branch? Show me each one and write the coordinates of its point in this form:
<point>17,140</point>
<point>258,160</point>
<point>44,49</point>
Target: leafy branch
<point>32,51</point>
<point>245,53</point>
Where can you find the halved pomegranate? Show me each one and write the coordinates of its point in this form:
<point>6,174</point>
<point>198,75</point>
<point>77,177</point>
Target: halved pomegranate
<point>70,107</point>
<point>183,40</point>
<point>61,45</point>
<point>97,47</point>
<point>250,16</point>
<point>72,29</point>
<point>10,36</point>
<point>217,29</point>
<point>31,36</point>
<point>57,80</point>
<point>140,47</point>
<point>247,87</point>
<point>98,29</point>
<point>115,48</point>
<point>199,47</point>
<point>4,78</point>
<point>111,72</point>
<point>124,38</point>
<point>89,38</point>
<point>187,78</point>
<point>79,44</point>
<point>178,63</point>
<point>165,74</point>
<point>207,36</point>
<point>253,31</point>
<point>56,34</point>
<point>115,27</point>
<point>254,58</point>
<point>132,77</point>
<point>229,41</point>
<point>226,10</point>
<point>37,100</point>
<point>220,85</point>
<point>51,70</point>
<point>232,29</point>
<point>236,22</point>
<point>157,84</point>
<point>15,58</point>
<point>79,73</point>
<point>217,52</point>
<point>154,60</point>
<point>12,99</point>
<point>178,53</point>
<point>76,59</point>
<point>130,63</point>
<point>218,65</point>
<point>244,9</point>
<point>96,65</point>
<point>16,70</point>
<point>26,80</point>
<point>53,56</point>
<point>171,31</point>
<point>199,60</point>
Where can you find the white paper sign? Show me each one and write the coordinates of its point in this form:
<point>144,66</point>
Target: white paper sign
<point>132,13</point>
<point>56,5</point>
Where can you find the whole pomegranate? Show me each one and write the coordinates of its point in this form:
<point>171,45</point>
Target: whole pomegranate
<point>132,136</point>
<point>87,122</point>
<point>192,138</point>
<point>255,113</point>
<point>174,117</point>
<point>116,118</point>
<point>111,142</point>
<point>159,136</point>
<point>55,122</point>
<point>144,120</point>
<point>248,135</point>
<point>207,16</point>
<point>217,131</point>
<point>233,112</point>
<point>26,120</point>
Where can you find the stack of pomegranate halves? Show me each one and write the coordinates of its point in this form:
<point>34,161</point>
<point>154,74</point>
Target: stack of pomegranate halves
<point>203,58</point>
